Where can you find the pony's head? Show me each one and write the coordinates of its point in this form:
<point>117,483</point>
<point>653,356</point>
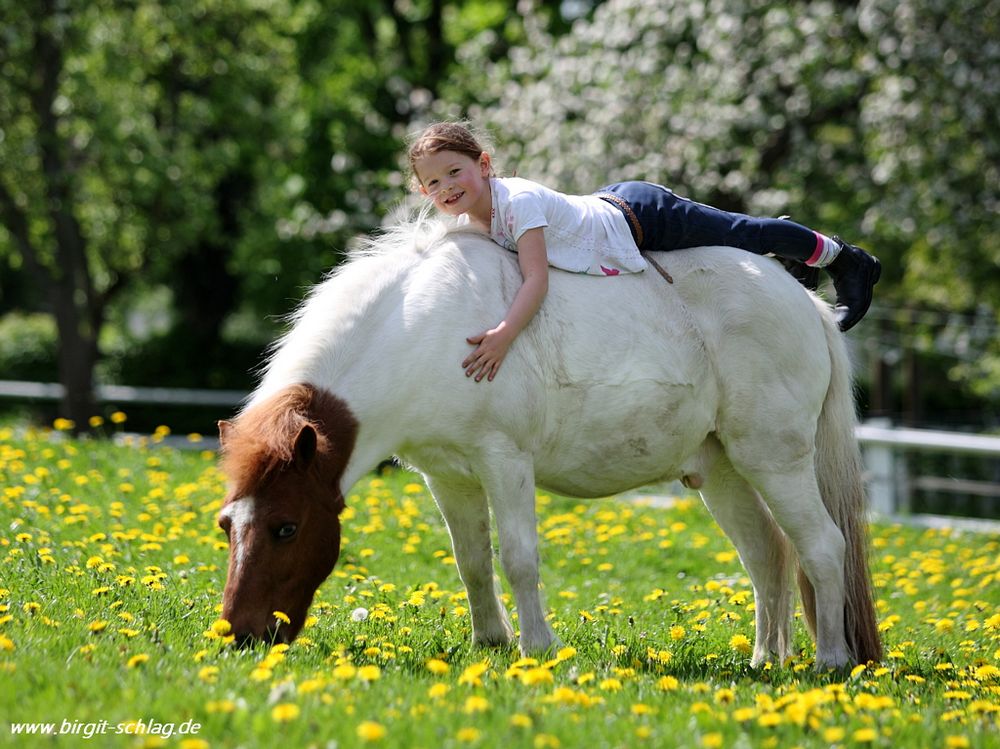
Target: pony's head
<point>284,458</point>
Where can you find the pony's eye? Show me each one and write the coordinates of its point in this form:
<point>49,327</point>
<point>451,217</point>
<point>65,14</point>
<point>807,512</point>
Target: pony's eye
<point>286,531</point>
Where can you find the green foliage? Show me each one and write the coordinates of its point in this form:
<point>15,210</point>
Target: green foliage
<point>27,347</point>
<point>231,149</point>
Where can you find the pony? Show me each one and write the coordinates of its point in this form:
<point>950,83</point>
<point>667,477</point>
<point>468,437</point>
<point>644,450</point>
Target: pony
<point>733,378</point>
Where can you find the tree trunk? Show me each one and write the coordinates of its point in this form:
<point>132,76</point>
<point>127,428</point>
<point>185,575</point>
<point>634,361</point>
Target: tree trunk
<point>79,313</point>
<point>77,358</point>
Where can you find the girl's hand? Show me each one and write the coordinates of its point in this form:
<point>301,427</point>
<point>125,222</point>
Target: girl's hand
<point>491,348</point>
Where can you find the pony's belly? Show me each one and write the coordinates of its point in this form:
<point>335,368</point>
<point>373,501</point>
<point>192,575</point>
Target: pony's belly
<point>609,441</point>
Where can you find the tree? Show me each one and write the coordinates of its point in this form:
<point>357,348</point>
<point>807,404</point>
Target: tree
<point>225,150</point>
<point>135,140</point>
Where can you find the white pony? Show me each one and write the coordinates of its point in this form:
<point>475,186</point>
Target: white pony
<point>733,378</point>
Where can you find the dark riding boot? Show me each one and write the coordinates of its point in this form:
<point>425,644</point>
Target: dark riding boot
<point>854,274</point>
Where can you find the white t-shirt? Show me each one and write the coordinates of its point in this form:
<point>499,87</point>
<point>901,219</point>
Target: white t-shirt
<point>583,233</point>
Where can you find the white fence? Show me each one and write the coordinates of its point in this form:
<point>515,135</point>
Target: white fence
<point>890,486</point>
<point>124,395</point>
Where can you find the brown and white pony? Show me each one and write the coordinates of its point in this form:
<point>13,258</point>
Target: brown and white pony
<point>734,378</point>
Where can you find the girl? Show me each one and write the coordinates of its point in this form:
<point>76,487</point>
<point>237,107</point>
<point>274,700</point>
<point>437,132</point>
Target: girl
<point>604,233</point>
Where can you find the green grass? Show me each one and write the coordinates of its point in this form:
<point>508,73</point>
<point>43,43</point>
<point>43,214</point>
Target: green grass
<point>112,568</point>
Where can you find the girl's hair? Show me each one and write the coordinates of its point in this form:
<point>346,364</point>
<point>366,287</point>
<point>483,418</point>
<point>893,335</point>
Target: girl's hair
<point>444,136</point>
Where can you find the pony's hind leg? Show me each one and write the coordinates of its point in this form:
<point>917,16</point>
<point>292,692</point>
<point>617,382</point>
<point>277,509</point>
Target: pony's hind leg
<point>764,551</point>
<point>463,505</point>
<point>793,497</point>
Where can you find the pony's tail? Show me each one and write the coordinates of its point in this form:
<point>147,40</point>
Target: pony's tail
<point>838,472</point>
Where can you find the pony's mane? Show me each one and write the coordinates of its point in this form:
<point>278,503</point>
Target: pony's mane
<point>406,238</point>
<point>406,231</point>
<point>261,439</point>
<point>372,262</point>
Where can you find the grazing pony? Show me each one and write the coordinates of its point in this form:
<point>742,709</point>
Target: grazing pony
<point>734,379</point>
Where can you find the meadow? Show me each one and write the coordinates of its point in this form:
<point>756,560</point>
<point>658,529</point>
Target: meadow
<point>112,569</point>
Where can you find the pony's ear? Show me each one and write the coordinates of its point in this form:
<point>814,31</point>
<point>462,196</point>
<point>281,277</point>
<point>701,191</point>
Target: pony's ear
<point>225,430</point>
<point>305,447</point>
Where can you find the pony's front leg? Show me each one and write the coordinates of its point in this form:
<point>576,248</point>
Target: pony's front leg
<point>509,478</point>
<point>463,505</point>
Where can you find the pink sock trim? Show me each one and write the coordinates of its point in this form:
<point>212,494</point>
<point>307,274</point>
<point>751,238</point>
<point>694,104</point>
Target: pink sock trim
<point>818,252</point>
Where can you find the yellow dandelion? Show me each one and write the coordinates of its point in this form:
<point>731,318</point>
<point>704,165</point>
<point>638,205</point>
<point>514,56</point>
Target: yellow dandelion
<point>344,671</point>
<point>468,735</point>
<point>769,720</point>
<point>97,626</point>
<point>369,673</point>
<point>476,704</point>
<point>281,616</point>
<point>741,644</point>
<point>221,627</point>
<point>118,417</point>
<point>6,643</point>
<point>725,696</point>
<point>285,712</point>
<point>534,676</point>
<point>209,674</point>
<point>437,691</point>
<point>520,720</point>
<point>987,673</point>
<point>956,742</point>
<point>565,654</point>
<point>369,730</point>
<point>833,735</point>
<point>220,706</point>
<point>137,660</point>
<point>677,633</point>
<point>668,683</point>
<point>864,735</point>
<point>472,674</point>
<point>437,667</point>
<point>712,740</point>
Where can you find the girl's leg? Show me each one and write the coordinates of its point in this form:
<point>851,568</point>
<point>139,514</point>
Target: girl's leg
<point>670,222</point>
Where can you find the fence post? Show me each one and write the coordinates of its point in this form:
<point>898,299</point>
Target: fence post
<point>880,462</point>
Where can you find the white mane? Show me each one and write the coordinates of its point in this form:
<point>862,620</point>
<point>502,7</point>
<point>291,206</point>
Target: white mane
<point>350,291</point>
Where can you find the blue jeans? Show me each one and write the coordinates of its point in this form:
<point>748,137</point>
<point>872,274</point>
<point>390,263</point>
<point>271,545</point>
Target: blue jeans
<point>661,220</point>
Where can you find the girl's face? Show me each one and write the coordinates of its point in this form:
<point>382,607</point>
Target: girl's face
<point>456,183</point>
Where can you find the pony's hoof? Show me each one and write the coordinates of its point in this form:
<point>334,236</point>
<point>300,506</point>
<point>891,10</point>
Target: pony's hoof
<point>835,664</point>
<point>540,649</point>
<point>496,638</point>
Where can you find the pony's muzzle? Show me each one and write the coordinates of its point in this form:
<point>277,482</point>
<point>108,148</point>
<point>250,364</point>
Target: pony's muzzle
<point>270,636</point>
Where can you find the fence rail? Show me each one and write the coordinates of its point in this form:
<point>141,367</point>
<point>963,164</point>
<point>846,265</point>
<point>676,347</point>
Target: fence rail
<point>890,486</point>
<point>155,396</point>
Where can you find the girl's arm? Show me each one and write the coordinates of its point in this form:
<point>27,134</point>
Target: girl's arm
<point>492,345</point>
